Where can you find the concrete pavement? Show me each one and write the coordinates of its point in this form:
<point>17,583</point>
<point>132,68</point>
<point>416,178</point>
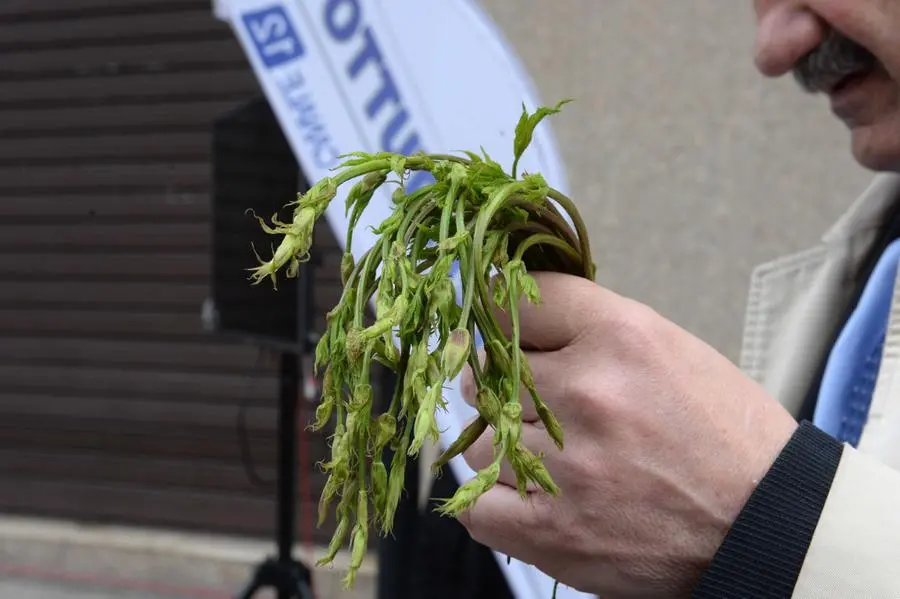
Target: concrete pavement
<point>34,589</point>
<point>47,559</point>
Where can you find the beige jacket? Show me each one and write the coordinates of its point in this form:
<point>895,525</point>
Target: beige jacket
<point>855,550</point>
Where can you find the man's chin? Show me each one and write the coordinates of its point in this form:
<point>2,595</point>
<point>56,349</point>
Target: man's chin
<point>875,149</point>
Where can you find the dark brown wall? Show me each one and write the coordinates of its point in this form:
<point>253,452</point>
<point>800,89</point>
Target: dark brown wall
<point>115,405</point>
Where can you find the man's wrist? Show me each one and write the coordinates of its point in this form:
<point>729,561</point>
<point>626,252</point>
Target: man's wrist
<point>764,551</point>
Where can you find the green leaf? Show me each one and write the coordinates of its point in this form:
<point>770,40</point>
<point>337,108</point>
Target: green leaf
<point>487,157</point>
<point>526,126</point>
<point>530,288</point>
<point>352,197</point>
<point>518,214</point>
<point>458,174</point>
<point>501,254</point>
<point>398,164</point>
<point>451,243</point>
<point>486,177</point>
<point>387,227</point>
<point>322,355</point>
<point>442,171</point>
<point>475,158</point>
<point>353,159</point>
<point>537,188</point>
<point>441,269</point>
<point>500,293</point>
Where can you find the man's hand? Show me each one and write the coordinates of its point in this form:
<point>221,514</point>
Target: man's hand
<point>665,440</point>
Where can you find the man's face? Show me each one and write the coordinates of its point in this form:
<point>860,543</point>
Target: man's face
<point>848,50</point>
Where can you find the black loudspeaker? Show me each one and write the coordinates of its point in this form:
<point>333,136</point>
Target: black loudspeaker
<point>254,170</point>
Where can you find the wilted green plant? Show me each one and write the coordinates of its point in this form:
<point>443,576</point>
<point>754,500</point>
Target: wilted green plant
<point>496,226</point>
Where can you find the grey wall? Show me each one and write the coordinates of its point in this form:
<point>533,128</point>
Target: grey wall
<point>688,165</point>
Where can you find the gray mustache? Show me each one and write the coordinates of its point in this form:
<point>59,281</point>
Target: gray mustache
<point>836,58</point>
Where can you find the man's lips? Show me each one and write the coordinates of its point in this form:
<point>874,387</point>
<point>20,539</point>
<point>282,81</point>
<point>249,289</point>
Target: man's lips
<point>854,98</point>
<point>845,82</point>
<point>837,84</point>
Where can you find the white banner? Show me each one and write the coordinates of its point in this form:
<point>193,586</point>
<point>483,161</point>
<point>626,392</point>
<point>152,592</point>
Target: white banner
<point>402,76</point>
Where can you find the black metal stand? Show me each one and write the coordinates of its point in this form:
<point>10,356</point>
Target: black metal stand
<point>290,578</point>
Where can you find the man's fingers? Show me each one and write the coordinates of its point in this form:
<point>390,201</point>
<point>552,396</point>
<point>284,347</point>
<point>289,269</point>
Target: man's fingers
<point>468,388</point>
<point>545,371</point>
<point>558,319</point>
<point>481,454</point>
<point>505,521</point>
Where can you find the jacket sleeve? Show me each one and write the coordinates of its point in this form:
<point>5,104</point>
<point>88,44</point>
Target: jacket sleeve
<point>823,523</point>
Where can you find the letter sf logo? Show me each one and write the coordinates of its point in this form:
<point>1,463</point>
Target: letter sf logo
<point>273,35</point>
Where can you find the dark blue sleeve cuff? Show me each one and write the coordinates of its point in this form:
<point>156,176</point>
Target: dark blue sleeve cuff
<point>764,551</point>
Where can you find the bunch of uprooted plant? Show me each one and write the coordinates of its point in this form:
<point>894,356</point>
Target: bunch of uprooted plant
<point>496,226</point>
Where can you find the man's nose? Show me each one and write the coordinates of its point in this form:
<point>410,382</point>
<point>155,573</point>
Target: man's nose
<point>784,34</point>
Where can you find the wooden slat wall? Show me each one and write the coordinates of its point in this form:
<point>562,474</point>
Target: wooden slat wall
<point>115,405</point>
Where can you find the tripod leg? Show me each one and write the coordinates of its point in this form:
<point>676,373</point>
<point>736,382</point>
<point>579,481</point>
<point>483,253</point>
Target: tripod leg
<point>303,590</point>
<point>248,591</point>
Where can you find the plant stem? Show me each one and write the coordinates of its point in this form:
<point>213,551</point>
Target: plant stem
<point>547,239</point>
<point>351,281</point>
<point>362,296</point>
<point>446,213</point>
<point>569,206</point>
<point>465,440</point>
<point>481,224</point>
<point>362,169</point>
<point>513,288</point>
<point>450,158</point>
<point>484,314</point>
<point>401,372</point>
<point>548,212</point>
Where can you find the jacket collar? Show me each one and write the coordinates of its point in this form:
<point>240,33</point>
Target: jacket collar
<point>867,211</point>
<point>795,302</point>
